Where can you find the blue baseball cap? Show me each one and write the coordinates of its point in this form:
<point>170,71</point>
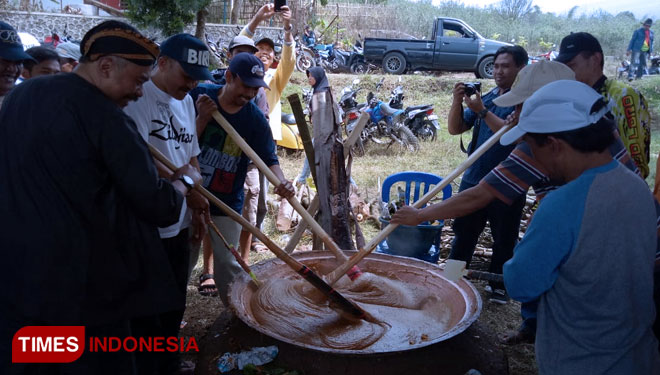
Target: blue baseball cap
<point>11,47</point>
<point>191,53</point>
<point>249,69</point>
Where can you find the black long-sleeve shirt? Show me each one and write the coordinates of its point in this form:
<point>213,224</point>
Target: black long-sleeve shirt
<point>80,201</point>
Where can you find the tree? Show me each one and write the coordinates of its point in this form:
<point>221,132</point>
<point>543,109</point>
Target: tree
<point>168,16</point>
<point>515,9</point>
<point>236,7</point>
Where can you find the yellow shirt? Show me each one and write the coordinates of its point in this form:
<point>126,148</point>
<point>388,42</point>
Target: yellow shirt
<point>277,80</point>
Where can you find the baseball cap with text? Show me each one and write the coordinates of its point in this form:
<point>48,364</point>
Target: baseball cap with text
<point>249,69</point>
<point>531,78</point>
<point>557,107</point>
<point>191,53</point>
<point>575,43</point>
<point>11,47</point>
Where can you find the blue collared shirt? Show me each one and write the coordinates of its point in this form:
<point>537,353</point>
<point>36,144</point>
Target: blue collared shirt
<point>497,153</point>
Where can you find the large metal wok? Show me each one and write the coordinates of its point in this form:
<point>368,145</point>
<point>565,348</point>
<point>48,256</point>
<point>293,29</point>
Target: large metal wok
<point>460,299</point>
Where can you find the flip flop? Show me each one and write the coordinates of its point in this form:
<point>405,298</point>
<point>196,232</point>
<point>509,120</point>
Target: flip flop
<point>207,289</point>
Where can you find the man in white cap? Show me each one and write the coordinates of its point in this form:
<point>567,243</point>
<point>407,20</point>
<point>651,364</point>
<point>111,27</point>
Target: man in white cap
<point>594,280</point>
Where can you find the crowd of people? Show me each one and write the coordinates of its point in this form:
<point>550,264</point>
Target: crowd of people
<point>100,234</point>
<point>119,231</point>
<point>585,271</point>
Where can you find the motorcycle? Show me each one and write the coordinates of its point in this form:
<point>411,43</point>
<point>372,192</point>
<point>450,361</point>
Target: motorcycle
<point>337,60</point>
<point>387,122</point>
<point>418,118</point>
<point>305,56</point>
<point>655,65</point>
<point>351,110</point>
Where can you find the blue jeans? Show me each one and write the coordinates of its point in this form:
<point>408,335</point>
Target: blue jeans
<point>638,64</point>
<point>504,225</point>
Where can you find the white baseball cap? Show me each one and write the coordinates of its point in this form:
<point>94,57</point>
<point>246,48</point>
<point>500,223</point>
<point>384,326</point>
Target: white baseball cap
<point>531,78</point>
<point>557,107</point>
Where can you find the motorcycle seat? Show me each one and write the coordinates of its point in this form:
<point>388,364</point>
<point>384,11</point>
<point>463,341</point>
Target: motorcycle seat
<point>343,53</point>
<point>387,110</point>
<point>288,118</point>
<point>414,107</point>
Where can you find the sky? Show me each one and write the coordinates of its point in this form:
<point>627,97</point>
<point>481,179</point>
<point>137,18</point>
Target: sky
<point>640,8</point>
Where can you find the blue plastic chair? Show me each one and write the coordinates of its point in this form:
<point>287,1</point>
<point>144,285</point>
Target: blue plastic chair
<point>421,241</point>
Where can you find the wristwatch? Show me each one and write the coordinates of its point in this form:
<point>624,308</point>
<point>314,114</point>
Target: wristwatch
<point>482,114</point>
<point>289,28</point>
<point>187,182</point>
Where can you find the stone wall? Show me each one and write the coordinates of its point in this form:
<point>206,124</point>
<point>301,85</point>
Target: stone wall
<point>75,26</point>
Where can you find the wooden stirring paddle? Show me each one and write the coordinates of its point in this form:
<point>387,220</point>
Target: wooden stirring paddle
<point>339,300</point>
<point>355,259</point>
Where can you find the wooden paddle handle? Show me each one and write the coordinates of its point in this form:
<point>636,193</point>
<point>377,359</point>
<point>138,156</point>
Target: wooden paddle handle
<point>315,227</point>
<point>235,253</point>
<point>355,259</point>
<point>341,301</point>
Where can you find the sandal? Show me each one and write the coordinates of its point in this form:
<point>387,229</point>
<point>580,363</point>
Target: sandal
<point>207,289</point>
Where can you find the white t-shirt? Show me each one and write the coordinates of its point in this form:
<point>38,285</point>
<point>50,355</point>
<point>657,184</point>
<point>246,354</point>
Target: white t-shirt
<point>168,125</point>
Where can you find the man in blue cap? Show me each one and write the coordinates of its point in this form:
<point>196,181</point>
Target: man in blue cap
<point>223,164</point>
<point>12,56</point>
<point>165,118</point>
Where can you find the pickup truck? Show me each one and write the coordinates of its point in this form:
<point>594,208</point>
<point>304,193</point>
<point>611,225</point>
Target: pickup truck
<point>454,46</point>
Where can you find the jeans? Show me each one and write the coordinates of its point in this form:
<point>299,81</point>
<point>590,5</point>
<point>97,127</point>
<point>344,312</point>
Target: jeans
<point>638,64</point>
<point>504,225</point>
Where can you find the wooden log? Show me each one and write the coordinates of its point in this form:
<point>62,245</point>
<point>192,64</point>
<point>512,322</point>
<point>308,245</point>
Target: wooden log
<point>332,182</point>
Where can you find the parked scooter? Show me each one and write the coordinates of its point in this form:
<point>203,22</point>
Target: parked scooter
<point>291,139</point>
<point>385,121</point>
<point>336,60</point>
<point>418,118</point>
<point>351,110</point>
<point>655,65</point>
<point>305,56</point>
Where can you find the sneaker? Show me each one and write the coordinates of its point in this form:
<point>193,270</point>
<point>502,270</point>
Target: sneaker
<point>499,296</point>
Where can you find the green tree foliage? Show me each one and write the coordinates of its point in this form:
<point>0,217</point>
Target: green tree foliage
<point>168,16</point>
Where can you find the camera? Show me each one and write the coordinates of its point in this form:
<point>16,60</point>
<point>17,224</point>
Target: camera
<point>472,87</point>
<point>279,4</point>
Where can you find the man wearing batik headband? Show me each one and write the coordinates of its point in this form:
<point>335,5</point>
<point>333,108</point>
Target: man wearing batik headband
<point>80,245</point>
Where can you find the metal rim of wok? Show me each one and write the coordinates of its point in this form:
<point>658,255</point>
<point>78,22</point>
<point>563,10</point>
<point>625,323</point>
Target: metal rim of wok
<point>471,297</point>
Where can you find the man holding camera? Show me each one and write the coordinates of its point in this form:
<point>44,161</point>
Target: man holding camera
<point>485,118</point>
